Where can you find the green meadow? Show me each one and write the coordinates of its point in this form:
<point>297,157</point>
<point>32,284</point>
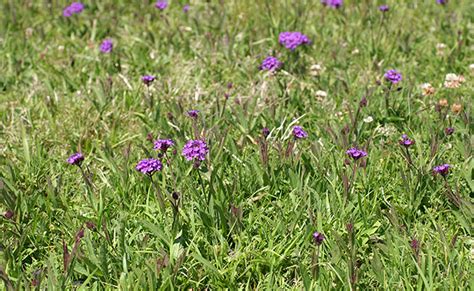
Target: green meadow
<point>258,204</point>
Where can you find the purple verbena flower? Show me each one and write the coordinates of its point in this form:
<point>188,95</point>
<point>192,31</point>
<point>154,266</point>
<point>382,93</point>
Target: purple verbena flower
<point>293,39</point>
<point>75,159</point>
<point>163,144</point>
<point>161,4</point>
<point>349,227</point>
<point>8,214</point>
<point>193,113</point>
<point>148,79</point>
<point>74,8</point>
<point>175,195</point>
<point>384,8</point>
<point>299,133</point>
<point>186,8</point>
<point>415,246</point>
<point>195,150</point>
<point>442,2</point>
<point>265,132</point>
<point>443,170</point>
<point>356,153</point>
<point>449,130</point>
<point>106,46</point>
<point>149,166</point>
<point>393,76</point>
<point>270,64</point>
<point>318,238</point>
<point>405,141</point>
<point>332,3</point>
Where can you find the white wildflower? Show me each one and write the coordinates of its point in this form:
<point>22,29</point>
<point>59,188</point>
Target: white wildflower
<point>453,80</point>
<point>316,70</point>
<point>428,89</point>
<point>321,95</point>
<point>368,119</point>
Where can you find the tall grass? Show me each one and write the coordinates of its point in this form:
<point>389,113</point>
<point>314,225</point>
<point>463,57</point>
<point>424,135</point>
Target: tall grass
<point>245,217</point>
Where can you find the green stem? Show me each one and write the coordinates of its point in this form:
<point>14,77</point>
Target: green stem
<point>201,181</point>
<point>158,195</point>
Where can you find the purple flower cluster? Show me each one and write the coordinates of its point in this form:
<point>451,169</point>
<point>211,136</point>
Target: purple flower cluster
<point>163,144</point>
<point>148,79</point>
<point>195,150</point>
<point>75,159</point>
<point>356,153</point>
<point>161,4</point>
<point>405,141</point>
<point>384,8</point>
<point>74,8</point>
<point>106,46</point>
<point>270,64</point>
<point>443,170</point>
<point>442,2</point>
<point>186,8</point>
<point>293,39</point>
<point>299,133</point>
<point>393,76</point>
<point>332,3</point>
<point>149,166</point>
<point>318,238</point>
<point>193,113</point>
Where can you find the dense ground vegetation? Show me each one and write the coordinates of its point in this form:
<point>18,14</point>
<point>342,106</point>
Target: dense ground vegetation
<point>257,188</point>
